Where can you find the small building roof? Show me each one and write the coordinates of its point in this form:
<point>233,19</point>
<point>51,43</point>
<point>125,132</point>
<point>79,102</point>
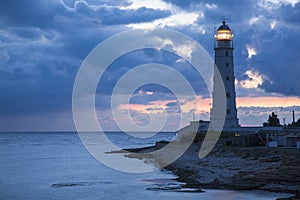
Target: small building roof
<point>224,27</point>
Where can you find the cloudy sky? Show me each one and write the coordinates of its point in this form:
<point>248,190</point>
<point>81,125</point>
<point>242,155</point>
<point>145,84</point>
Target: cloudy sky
<point>43,43</point>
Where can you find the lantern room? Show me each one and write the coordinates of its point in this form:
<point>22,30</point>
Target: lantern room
<point>223,33</point>
<point>224,36</point>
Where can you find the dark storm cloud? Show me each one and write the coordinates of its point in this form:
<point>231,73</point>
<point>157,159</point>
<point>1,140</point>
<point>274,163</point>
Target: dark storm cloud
<point>47,14</point>
<point>139,57</point>
<point>71,3</point>
<point>291,15</point>
<point>172,104</point>
<point>113,15</point>
<point>183,4</point>
<point>44,42</point>
<point>29,13</point>
<point>215,10</point>
<point>280,50</point>
<point>277,49</point>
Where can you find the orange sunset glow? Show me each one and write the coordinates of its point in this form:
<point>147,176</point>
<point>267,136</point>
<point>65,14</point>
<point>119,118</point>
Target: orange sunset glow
<point>204,104</point>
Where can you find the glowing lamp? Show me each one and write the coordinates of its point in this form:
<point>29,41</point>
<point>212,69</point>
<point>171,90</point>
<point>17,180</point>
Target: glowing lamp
<point>223,33</point>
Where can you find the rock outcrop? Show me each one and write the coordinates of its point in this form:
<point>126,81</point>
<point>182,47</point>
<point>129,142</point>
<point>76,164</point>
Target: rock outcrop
<point>238,168</point>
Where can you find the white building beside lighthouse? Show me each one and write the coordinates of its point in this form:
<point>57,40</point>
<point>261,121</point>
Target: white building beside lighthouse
<point>224,64</point>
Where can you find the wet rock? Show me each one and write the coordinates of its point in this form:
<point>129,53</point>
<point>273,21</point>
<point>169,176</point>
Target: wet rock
<point>241,168</point>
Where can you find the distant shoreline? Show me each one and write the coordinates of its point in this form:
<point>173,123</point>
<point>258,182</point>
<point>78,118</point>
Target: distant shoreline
<point>82,132</point>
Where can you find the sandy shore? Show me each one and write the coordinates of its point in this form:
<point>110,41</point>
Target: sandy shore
<point>237,168</point>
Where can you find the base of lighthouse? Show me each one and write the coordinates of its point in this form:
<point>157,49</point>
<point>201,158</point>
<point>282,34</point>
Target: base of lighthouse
<point>229,123</point>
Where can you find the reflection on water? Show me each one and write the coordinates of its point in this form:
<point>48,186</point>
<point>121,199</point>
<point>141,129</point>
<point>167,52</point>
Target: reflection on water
<point>57,166</point>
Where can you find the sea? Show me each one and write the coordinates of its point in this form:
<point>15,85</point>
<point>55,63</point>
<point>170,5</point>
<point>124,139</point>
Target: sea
<point>56,165</point>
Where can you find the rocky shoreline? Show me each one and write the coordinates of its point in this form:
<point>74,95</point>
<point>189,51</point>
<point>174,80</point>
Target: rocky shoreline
<point>237,168</point>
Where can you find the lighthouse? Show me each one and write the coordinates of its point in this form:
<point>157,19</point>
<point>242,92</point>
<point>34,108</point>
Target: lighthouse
<point>224,64</point>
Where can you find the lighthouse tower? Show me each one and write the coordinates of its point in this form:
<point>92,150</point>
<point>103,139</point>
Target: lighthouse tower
<point>224,63</point>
